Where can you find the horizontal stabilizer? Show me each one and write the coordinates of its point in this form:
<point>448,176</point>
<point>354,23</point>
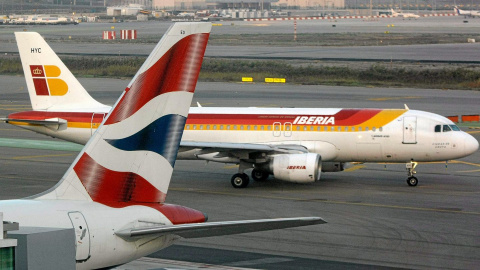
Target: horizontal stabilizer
<point>52,121</point>
<point>197,230</point>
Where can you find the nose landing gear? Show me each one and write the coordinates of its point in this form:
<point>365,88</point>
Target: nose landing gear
<point>411,180</point>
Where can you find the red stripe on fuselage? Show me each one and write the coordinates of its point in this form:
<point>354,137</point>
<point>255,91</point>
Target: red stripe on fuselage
<point>345,117</point>
<point>123,189</point>
<point>85,117</point>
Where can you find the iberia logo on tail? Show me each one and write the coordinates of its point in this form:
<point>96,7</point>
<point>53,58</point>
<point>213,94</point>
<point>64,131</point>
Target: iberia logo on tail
<point>46,81</point>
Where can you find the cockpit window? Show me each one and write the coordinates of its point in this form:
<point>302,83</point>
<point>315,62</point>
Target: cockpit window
<point>454,128</point>
<point>446,128</point>
<point>438,128</point>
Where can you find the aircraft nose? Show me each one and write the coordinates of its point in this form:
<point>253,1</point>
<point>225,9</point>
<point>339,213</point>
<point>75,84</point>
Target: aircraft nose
<point>471,145</point>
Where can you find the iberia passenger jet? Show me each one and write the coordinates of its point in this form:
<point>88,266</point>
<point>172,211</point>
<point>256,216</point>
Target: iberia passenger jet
<point>293,144</point>
<point>113,194</point>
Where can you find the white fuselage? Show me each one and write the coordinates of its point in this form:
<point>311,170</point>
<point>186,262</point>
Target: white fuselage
<point>392,135</point>
<point>97,246</point>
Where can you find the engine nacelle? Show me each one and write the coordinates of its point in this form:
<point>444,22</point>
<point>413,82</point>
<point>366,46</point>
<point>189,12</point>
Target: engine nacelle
<point>333,166</point>
<point>298,168</point>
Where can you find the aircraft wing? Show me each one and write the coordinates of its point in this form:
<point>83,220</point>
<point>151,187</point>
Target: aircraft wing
<point>213,147</point>
<point>196,230</point>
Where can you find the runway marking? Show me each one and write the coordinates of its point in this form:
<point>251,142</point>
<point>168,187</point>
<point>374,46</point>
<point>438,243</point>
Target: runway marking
<point>473,132</point>
<point>354,168</point>
<point>465,162</point>
<point>392,98</point>
<point>230,166</point>
<point>40,156</point>
<point>453,211</point>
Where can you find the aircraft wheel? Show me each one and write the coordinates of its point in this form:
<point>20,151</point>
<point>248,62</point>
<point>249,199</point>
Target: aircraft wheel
<point>258,175</point>
<point>412,181</point>
<point>240,180</point>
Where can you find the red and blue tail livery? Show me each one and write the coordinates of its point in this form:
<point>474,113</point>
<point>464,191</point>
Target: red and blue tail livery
<point>130,158</point>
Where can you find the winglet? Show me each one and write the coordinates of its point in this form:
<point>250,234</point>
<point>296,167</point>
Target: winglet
<point>406,107</point>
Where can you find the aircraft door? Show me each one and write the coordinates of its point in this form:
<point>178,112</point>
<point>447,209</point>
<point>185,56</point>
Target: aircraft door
<point>82,236</point>
<point>410,129</point>
<point>277,129</point>
<point>287,129</point>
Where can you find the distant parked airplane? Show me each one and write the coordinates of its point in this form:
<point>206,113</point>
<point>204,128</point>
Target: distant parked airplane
<point>469,13</point>
<point>404,15</point>
<point>113,194</point>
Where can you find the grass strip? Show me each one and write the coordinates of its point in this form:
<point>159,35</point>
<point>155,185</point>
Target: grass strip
<point>312,73</point>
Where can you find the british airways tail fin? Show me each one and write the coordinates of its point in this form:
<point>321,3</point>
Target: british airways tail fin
<point>130,158</point>
<point>50,83</point>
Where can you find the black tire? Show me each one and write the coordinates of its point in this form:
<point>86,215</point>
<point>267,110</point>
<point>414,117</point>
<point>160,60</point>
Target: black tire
<point>240,180</point>
<point>412,181</point>
<point>259,176</point>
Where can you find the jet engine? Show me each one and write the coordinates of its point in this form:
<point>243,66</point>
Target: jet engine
<point>298,168</point>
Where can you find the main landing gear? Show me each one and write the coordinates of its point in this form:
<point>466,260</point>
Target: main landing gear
<point>412,180</point>
<point>241,179</point>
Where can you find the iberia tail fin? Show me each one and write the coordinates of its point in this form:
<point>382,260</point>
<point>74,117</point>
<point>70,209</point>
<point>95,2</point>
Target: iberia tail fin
<point>50,83</point>
<point>130,159</point>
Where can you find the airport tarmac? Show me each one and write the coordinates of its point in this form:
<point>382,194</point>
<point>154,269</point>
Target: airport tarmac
<point>461,52</point>
<point>374,219</point>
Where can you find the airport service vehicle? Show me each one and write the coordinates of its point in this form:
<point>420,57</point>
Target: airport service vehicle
<point>293,144</point>
<point>404,15</point>
<point>469,13</point>
<point>114,192</point>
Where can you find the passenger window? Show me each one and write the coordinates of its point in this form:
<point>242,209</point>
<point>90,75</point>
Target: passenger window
<point>194,126</point>
<point>438,128</point>
<point>304,127</point>
<point>188,127</point>
<point>359,128</point>
<point>208,127</point>
<point>455,128</point>
<point>318,129</point>
<point>366,128</point>
<point>221,126</point>
<point>333,128</point>
<point>374,128</point>
<point>270,128</point>
<point>241,127</point>
<point>201,126</point>
<point>346,128</point>
<point>298,128</point>
<point>380,129</point>
<point>248,127</point>
<point>446,128</point>
<point>214,126</point>
<point>326,129</point>
<point>353,128</point>
<point>262,127</point>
